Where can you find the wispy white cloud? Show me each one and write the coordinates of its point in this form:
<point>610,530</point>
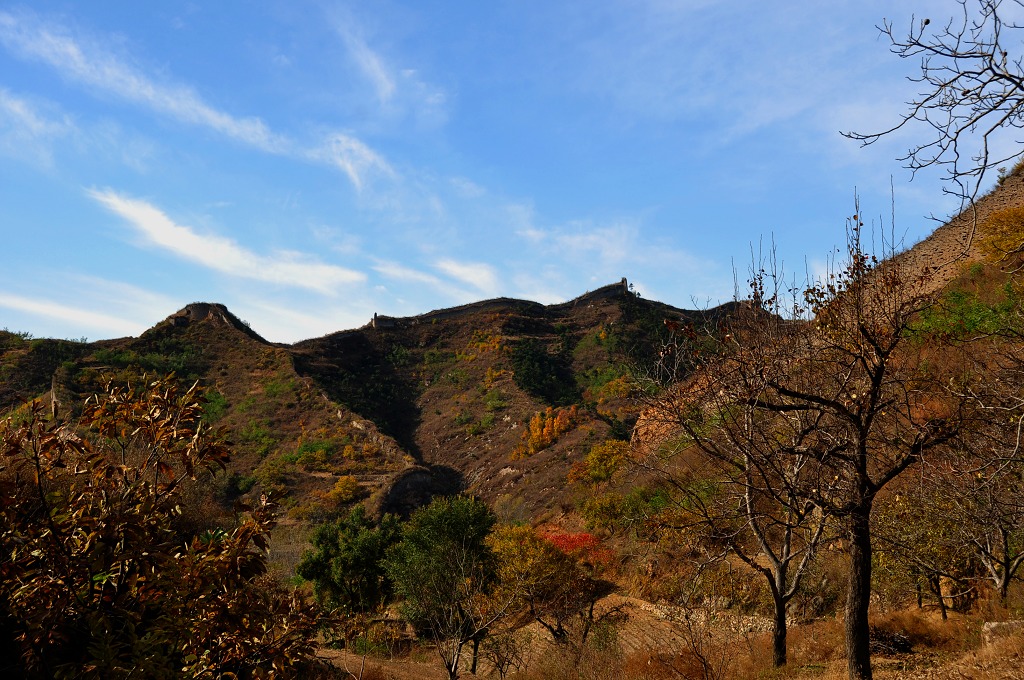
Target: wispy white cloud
<point>521,219</point>
<point>25,115</point>
<point>406,275</point>
<point>352,157</point>
<point>609,244</point>
<point>286,268</point>
<point>397,272</point>
<point>601,253</point>
<point>727,66</point>
<point>84,60</point>
<point>33,131</point>
<point>477,274</point>
<point>113,141</point>
<point>145,306</point>
<point>278,321</point>
<point>104,323</point>
<point>399,90</point>
<point>88,63</point>
<point>368,61</point>
<point>598,245</point>
<point>467,188</point>
<point>28,133</point>
<point>545,285</point>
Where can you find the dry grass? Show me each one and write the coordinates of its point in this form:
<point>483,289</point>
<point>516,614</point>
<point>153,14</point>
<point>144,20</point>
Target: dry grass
<point>925,630</point>
<point>599,664</point>
<point>942,650</point>
<point>288,541</point>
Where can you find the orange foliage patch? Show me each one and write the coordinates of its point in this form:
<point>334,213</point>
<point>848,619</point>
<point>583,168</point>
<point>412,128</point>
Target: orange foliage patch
<point>545,428</point>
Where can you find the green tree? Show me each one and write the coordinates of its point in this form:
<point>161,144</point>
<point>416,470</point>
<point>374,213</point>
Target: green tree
<point>542,374</point>
<point>101,582</point>
<point>444,572</point>
<point>346,562</point>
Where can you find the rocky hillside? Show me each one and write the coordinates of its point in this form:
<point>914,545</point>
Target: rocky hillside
<point>498,398</point>
<point>941,257</point>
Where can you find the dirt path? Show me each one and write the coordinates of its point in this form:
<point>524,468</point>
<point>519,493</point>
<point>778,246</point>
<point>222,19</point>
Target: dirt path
<point>374,668</point>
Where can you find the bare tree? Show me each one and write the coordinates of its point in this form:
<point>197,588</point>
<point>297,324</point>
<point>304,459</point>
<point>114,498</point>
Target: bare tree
<point>995,503</point>
<point>971,96</point>
<point>839,384</point>
<point>920,535</point>
<point>727,497</point>
<point>982,480</point>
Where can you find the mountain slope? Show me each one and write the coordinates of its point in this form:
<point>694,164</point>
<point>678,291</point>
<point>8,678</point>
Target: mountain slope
<point>498,397</point>
<point>942,256</point>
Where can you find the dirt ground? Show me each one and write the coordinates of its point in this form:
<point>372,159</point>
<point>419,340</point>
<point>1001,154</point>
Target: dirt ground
<point>642,628</point>
<point>374,668</point>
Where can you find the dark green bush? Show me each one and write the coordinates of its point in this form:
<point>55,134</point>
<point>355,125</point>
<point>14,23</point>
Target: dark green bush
<point>546,376</point>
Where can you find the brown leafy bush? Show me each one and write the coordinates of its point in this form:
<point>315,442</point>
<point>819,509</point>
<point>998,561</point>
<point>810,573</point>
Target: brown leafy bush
<point>98,579</point>
<point>917,629</point>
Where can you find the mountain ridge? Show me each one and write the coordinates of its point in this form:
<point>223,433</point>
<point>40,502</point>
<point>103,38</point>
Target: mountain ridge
<point>404,407</point>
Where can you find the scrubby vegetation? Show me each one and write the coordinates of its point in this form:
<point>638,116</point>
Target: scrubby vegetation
<point>106,575</point>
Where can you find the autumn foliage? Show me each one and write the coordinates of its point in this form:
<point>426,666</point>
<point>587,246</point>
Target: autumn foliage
<point>600,464</point>
<point>582,546</point>
<point>545,428</point>
<point>1002,233</point>
<point>103,580</point>
<point>550,577</point>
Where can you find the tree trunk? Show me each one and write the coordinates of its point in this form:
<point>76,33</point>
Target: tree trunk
<point>557,630</point>
<point>588,622</point>
<point>858,595</point>
<point>1005,574</point>
<point>452,665</point>
<point>778,587</point>
<point>936,587</point>
<point>779,634</point>
<point>476,653</point>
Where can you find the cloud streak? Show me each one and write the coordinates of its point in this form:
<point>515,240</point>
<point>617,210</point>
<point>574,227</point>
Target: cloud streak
<point>55,310</point>
<point>403,274</point>
<point>400,91</point>
<point>27,133</point>
<point>397,272</point>
<point>352,157</point>
<point>88,64</point>
<point>285,268</point>
<point>477,274</point>
<point>84,61</point>
<point>368,61</point>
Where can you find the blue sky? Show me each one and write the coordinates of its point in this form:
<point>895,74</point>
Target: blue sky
<point>311,163</point>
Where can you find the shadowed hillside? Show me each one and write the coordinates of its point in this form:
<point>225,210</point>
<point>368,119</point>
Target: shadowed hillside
<point>454,399</point>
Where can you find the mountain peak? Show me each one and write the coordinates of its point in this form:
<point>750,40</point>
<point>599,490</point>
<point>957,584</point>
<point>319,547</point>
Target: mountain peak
<point>210,312</point>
